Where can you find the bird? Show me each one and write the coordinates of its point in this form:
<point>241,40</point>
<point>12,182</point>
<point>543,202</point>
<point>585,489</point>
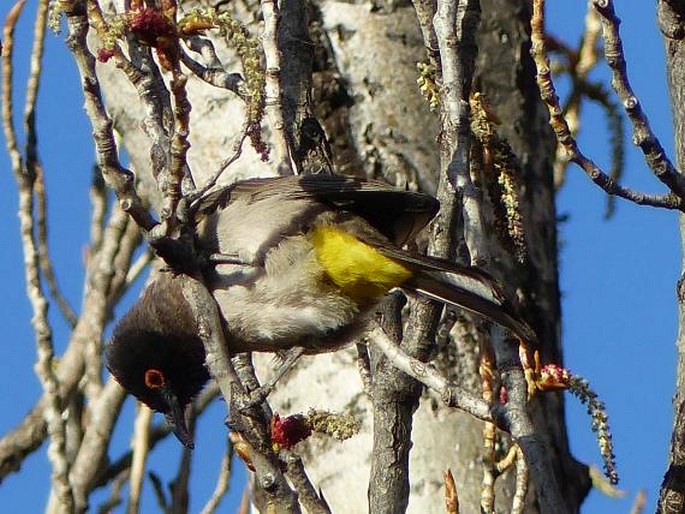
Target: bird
<point>292,262</point>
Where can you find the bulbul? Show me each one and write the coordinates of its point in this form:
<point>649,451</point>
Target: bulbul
<point>305,258</point>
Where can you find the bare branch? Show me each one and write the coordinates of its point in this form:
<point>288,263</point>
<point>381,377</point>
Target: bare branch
<point>214,73</point>
<point>93,450</point>
<point>268,473</point>
<point>452,395</point>
<point>274,97</point>
<point>222,482</point>
<point>313,502</point>
<point>117,177</point>
<point>61,492</point>
<point>563,134</point>
<point>141,445</point>
<point>654,153</point>
<point>455,25</point>
<point>513,417</point>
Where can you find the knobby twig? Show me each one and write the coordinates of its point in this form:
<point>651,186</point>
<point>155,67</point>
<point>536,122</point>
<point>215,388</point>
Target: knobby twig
<point>652,149</point>
<point>274,97</point>
<point>33,163</point>
<point>490,472</point>
<point>452,395</point>
<point>267,470</point>
<point>654,153</point>
<point>518,502</point>
<point>117,177</point>
<point>580,64</point>
<point>61,493</point>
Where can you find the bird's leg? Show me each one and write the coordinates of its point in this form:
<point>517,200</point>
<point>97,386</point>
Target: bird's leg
<point>259,395</point>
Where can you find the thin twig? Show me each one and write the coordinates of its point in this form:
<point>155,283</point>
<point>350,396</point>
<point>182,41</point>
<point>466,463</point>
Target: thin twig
<point>237,151</point>
<point>222,481</point>
<point>179,486</point>
<point>141,445</point>
<point>114,499</point>
<point>61,491</point>
<point>44,255</point>
<point>638,506</point>
<point>117,177</point>
<point>566,140</point>
<point>518,502</point>
<point>213,74</point>
<point>451,394</point>
<point>138,266</point>
<point>654,153</point>
<point>98,203</point>
<point>274,98</point>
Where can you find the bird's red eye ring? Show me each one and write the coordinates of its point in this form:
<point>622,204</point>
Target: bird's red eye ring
<point>154,379</point>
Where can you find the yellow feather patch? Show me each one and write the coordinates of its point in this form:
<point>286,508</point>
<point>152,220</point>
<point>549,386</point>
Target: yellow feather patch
<point>361,271</point>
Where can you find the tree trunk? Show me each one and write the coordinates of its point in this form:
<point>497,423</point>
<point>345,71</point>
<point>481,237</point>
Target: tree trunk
<point>672,25</point>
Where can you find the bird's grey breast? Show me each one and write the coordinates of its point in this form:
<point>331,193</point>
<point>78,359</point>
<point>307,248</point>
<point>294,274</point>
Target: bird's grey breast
<point>249,229</point>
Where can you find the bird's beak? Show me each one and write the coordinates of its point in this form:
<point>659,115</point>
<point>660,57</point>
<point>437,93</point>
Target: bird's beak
<point>177,419</point>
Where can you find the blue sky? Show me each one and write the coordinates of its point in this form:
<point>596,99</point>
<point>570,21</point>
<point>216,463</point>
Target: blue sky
<point>617,277</point>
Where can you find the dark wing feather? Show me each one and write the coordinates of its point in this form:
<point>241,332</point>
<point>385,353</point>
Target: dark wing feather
<point>463,286</point>
<point>399,215</point>
<point>451,290</point>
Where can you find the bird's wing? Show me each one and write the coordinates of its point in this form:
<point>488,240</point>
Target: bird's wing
<point>463,286</point>
<point>397,214</point>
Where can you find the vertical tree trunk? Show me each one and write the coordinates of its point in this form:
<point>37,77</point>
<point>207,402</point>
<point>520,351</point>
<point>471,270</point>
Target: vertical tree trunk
<point>672,25</point>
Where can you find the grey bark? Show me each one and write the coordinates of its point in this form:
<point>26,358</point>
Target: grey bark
<point>672,24</point>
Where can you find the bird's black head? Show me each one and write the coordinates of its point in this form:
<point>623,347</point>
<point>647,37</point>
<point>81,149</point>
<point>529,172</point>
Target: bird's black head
<point>156,354</point>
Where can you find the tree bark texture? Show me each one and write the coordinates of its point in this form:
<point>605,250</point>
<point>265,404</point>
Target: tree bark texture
<point>671,16</point>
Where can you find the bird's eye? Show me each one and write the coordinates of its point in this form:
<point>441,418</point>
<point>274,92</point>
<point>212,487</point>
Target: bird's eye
<point>154,379</point>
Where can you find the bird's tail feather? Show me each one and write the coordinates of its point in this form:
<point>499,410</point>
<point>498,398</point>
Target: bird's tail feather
<point>472,292</point>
